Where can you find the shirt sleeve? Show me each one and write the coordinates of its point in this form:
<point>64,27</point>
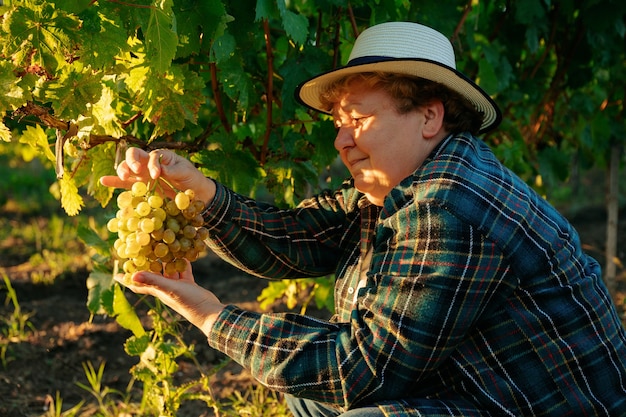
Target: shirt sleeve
<point>276,243</point>
<point>431,278</point>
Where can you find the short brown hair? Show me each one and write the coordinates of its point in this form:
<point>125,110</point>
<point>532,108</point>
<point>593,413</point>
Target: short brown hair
<point>410,93</point>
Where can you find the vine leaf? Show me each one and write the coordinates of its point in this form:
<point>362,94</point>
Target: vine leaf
<point>98,284</point>
<point>13,96</point>
<point>103,38</point>
<point>40,36</point>
<point>36,137</point>
<point>5,133</point>
<point>161,39</point>
<point>191,15</point>
<point>71,201</point>
<point>125,314</point>
<point>104,112</point>
<point>102,159</point>
<point>296,25</point>
<point>73,92</point>
<point>170,100</point>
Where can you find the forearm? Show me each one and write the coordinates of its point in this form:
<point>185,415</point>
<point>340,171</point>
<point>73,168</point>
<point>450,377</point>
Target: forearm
<point>270,242</point>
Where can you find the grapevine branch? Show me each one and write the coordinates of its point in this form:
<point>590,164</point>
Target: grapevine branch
<point>43,114</point>
<point>218,98</point>
<point>355,28</point>
<point>269,90</point>
<point>466,10</point>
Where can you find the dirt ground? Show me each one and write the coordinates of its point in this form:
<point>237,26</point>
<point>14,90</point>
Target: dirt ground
<point>51,360</point>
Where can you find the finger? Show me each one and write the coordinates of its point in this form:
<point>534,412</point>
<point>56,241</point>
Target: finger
<point>147,283</point>
<point>159,158</point>
<point>135,163</point>
<point>173,275</point>
<point>115,182</point>
<point>187,274</point>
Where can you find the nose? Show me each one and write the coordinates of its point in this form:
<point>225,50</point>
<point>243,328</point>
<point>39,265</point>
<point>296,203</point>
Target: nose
<point>344,138</point>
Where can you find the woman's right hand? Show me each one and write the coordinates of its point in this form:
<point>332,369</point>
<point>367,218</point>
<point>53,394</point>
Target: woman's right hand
<point>140,165</point>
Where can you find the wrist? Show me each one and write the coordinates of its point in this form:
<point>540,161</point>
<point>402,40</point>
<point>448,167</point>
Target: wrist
<point>206,191</point>
<point>210,319</point>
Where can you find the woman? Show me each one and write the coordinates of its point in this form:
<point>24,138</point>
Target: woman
<point>459,290</point>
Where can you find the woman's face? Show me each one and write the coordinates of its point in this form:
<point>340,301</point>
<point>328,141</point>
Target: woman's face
<point>379,146</point>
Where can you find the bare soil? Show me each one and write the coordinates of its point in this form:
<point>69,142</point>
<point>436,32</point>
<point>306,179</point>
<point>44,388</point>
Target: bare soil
<point>64,336</point>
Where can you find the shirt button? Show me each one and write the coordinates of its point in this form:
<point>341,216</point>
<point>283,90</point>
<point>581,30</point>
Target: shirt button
<point>350,290</point>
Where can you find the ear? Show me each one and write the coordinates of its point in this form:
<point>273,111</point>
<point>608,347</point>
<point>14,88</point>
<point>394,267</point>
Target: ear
<point>433,123</point>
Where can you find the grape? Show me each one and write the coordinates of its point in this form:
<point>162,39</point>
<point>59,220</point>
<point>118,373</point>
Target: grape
<point>180,265</point>
<point>171,208</point>
<point>161,249</point>
<point>173,224</point>
<point>182,201</point>
<point>143,239</point>
<point>155,201</point>
<point>143,208</point>
<point>112,225</point>
<point>124,199</point>
<point>169,236</point>
<point>174,246</point>
<point>132,224</point>
<point>139,189</point>
<point>155,233</point>
<point>157,223</point>
<point>189,231</point>
<point>159,213</point>
<point>146,225</point>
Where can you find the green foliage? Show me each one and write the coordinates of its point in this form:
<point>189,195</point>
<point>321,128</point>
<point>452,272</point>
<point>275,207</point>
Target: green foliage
<point>214,80</point>
<point>300,292</point>
<point>159,352</point>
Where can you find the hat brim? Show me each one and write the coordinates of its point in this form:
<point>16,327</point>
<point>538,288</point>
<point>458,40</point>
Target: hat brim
<point>308,93</point>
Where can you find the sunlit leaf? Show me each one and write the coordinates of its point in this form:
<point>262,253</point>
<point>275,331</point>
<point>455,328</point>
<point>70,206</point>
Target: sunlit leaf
<point>71,200</point>
<point>103,38</point>
<point>5,133</point>
<point>74,91</point>
<point>125,314</point>
<point>37,138</point>
<point>173,99</point>
<point>13,95</point>
<point>102,160</point>
<point>137,345</point>
<point>107,114</point>
<point>41,37</point>
<point>98,283</point>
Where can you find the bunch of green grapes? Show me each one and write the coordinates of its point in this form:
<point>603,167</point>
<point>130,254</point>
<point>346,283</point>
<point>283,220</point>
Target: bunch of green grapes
<point>157,234</point>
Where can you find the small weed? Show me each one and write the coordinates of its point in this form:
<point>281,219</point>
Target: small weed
<point>258,402</point>
<point>54,407</point>
<point>106,397</point>
<point>15,327</point>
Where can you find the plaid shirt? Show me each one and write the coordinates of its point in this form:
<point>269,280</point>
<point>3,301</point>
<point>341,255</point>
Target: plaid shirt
<point>478,300</point>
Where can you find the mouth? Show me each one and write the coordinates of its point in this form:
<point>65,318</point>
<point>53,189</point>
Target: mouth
<point>354,161</point>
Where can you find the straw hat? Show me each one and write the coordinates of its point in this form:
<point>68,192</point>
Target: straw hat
<point>404,48</point>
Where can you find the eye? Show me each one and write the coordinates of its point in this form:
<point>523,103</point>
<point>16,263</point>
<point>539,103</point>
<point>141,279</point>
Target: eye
<point>354,121</point>
<point>358,121</point>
